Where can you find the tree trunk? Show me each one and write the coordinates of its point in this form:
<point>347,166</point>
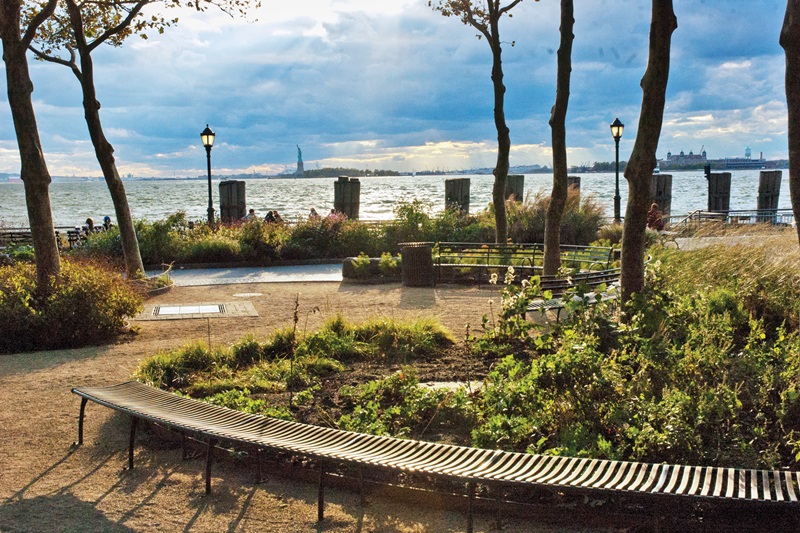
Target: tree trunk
<point>33,169</point>
<point>558,115</point>
<point>790,41</point>
<point>103,149</point>
<point>639,171</point>
<point>503,138</point>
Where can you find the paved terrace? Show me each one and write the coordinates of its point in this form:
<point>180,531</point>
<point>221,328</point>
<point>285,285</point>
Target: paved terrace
<point>191,277</point>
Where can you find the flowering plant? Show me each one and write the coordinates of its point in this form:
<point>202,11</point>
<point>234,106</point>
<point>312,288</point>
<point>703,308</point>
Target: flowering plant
<point>511,323</point>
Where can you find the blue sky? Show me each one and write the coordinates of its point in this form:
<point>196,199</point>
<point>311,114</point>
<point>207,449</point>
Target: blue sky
<point>391,84</point>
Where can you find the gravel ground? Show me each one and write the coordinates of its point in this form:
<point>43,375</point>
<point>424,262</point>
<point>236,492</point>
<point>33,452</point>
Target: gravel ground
<point>50,485</point>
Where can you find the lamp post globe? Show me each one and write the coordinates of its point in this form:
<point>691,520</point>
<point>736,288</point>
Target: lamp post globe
<point>207,137</point>
<point>617,128</point>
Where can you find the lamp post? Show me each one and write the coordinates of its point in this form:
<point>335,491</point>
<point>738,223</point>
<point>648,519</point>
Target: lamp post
<point>207,136</point>
<point>617,128</point>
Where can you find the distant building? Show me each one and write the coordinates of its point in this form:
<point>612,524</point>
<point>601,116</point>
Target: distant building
<point>694,161</point>
<point>682,160</point>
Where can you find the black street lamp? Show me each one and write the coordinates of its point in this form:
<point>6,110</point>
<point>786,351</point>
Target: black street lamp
<point>617,128</point>
<point>207,136</point>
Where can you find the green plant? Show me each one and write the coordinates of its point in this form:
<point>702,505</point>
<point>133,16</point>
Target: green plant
<point>86,304</point>
<point>390,266</point>
<point>19,252</point>
<point>361,266</point>
<point>240,400</point>
<point>180,368</point>
<point>397,406</point>
<point>511,326</point>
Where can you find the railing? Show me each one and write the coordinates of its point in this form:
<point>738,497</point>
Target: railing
<point>778,217</point>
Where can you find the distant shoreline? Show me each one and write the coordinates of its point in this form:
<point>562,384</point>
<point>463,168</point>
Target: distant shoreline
<point>10,178</point>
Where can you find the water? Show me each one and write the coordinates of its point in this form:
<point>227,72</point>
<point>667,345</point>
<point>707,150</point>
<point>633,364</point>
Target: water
<point>73,202</point>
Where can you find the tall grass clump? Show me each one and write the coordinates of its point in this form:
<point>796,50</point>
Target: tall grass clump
<point>581,220</point>
<point>87,304</point>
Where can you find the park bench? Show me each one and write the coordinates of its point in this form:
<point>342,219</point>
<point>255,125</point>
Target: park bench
<point>582,286</point>
<point>15,237</point>
<point>480,260</point>
<point>23,236</point>
<point>492,468</point>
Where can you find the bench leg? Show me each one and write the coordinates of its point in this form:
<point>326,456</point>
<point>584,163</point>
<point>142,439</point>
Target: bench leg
<point>498,504</point>
<point>209,459</point>
<point>184,452</point>
<point>259,478</point>
<point>321,494</point>
<point>134,423</point>
<point>361,498</point>
<point>80,420</point>
<point>471,490</point>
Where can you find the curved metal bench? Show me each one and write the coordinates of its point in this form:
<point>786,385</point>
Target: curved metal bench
<point>473,465</point>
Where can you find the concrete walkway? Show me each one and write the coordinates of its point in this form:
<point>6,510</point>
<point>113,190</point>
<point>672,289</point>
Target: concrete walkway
<point>278,274</point>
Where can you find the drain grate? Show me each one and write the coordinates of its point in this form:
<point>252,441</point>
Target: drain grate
<point>170,310</point>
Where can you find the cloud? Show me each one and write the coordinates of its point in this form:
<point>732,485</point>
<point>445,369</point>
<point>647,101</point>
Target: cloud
<point>393,84</point>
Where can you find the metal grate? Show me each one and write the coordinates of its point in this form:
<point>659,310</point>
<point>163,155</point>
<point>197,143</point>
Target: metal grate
<point>208,309</point>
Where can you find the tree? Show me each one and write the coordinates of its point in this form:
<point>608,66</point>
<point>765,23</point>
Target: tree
<point>639,171</point>
<point>68,30</point>
<point>109,22</point>
<point>484,16</point>
<point>558,116</point>
<point>790,41</point>
<point>33,168</point>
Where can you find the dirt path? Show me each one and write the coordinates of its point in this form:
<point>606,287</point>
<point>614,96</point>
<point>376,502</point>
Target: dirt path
<point>49,485</point>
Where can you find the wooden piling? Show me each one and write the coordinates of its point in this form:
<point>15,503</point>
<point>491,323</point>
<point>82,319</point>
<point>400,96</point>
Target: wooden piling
<point>515,186</point>
<point>719,191</point>
<point>769,190</point>
<point>347,196</point>
<point>232,200</point>
<point>661,192</point>
<point>456,194</point>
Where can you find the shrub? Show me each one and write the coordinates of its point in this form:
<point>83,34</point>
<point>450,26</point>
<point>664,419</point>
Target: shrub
<point>395,406</point>
<point>19,253</point>
<point>87,304</point>
<point>220,247</point>
<point>259,240</point>
<point>106,243</point>
<point>360,267</point>
<point>163,241</point>
<point>390,267</point>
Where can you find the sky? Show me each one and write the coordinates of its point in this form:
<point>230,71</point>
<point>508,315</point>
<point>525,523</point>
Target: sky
<point>391,84</point>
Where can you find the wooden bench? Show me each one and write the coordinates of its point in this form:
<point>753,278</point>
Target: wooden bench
<point>482,259</point>
<point>23,236</point>
<point>15,237</point>
<point>494,468</point>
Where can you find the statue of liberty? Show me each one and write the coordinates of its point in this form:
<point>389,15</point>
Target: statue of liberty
<point>300,170</point>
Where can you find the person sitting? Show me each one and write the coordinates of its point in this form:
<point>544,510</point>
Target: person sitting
<point>251,215</point>
<point>88,226</point>
<point>269,217</point>
<point>107,225</point>
<point>655,218</point>
<point>278,219</point>
<point>313,215</point>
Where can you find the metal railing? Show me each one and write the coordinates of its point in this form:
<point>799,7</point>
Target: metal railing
<point>777,217</point>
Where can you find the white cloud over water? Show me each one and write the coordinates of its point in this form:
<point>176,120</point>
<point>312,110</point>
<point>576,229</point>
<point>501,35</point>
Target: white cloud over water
<point>391,84</point>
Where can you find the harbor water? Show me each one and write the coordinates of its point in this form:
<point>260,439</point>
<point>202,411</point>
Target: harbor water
<point>73,200</point>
